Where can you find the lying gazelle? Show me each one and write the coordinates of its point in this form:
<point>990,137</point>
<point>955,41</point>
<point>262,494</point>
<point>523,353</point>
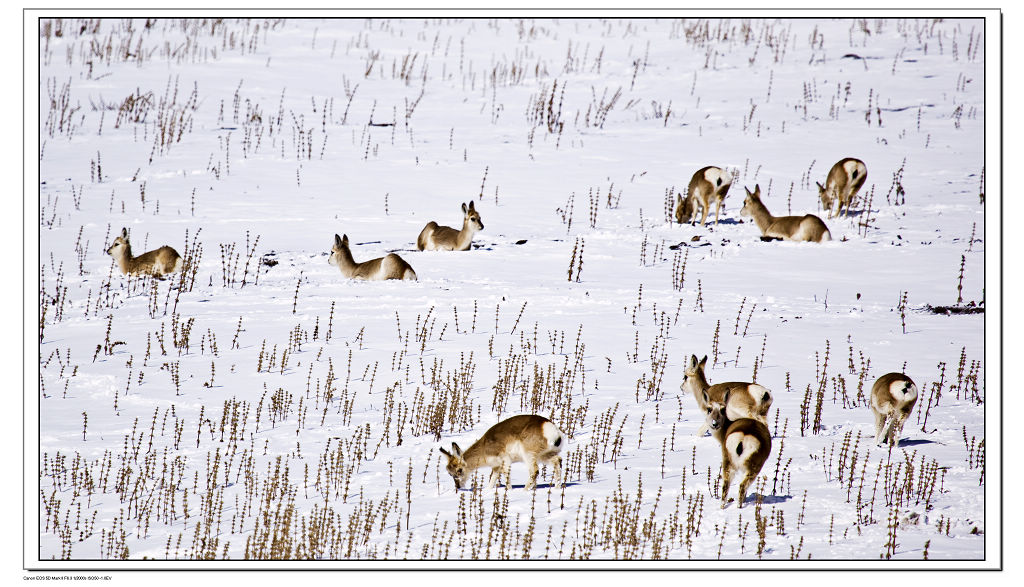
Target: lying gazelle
<point>741,399</point>
<point>524,438</point>
<point>158,262</point>
<point>434,237</point>
<point>707,184</point>
<point>808,228</point>
<point>745,444</point>
<point>844,180</point>
<point>892,399</point>
<point>389,267</point>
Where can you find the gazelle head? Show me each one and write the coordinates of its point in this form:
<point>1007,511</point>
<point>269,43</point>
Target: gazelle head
<point>693,367</point>
<point>748,202</point>
<point>121,245</point>
<point>340,244</point>
<point>716,414</point>
<point>472,216</point>
<point>457,466</point>
<point>826,198</point>
<point>691,370</point>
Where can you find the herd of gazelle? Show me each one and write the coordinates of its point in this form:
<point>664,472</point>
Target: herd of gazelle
<point>711,185</point>
<point>736,412</point>
<point>708,184</point>
<point>736,415</point>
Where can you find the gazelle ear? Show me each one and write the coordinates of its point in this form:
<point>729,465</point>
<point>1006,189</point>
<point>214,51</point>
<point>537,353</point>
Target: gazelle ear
<point>124,233</point>
<point>446,453</point>
<point>703,361</point>
<point>693,362</point>
<point>757,190</point>
<point>337,240</point>
<point>456,450</point>
<point>679,197</point>
<point>725,400</point>
<point>344,239</point>
<point>707,400</point>
<point>471,205</point>
<point>464,208</point>
<point>820,187</point>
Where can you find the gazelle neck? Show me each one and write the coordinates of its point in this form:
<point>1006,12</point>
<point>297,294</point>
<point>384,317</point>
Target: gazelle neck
<point>125,258</point>
<point>762,217</point>
<point>345,261</point>
<point>466,234</point>
<point>474,456</point>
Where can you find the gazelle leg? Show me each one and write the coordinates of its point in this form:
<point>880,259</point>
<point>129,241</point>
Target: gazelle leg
<point>533,471</point>
<point>726,481</point>
<point>879,427</point>
<point>556,475</point>
<point>743,489</point>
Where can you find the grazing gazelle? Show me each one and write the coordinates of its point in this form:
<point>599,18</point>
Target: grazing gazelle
<point>434,237</point>
<point>524,438</point>
<point>745,400</point>
<point>844,180</point>
<point>892,399</point>
<point>158,262</point>
<point>807,228</point>
<point>389,267</point>
<point>745,444</point>
<point>707,184</point>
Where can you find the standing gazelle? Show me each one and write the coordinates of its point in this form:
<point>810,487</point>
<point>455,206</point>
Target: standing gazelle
<point>524,438</point>
<point>807,228</point>
<point>707,184</point>
<point>388,267</point>
<point>158,262</point>
<point>434,237</point>
<point>892,399</point>
<point>745,400</point>
<point>745,444</point>
<point>844,180</point>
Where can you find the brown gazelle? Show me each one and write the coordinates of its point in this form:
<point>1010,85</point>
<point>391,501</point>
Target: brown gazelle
<point>525,438</point>
<point>707,184</point>
<point>388,267</point>
<point>745,400</point>
<point>807,228</point>
<point>745,444</point>
<point>158,262</point>
<point>844,180</point>
<point>434,237</point>
<point>892,399</point>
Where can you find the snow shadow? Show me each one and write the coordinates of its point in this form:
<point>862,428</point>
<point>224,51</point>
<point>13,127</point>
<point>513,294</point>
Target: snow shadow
<point>914,442</point>
<point>772,499</point>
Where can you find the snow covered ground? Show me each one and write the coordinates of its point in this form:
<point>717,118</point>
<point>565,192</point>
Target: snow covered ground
<point>261,406</point>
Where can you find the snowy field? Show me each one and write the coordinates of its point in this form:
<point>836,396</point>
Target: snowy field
<point>258,405</point>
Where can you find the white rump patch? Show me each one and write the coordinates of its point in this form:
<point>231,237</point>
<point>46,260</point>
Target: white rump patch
<point>896,389</point>
<point>552,434</point>
<point>750,446</point>
<point>714,174</point>
<point>850,167</point>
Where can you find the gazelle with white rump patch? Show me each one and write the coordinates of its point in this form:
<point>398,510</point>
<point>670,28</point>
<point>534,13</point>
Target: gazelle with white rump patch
<point>745,444</point>
<point>434,237</point>
<point>807,228</point>
<point>844,180</point>
<point>390,266</point>
<point>526,438</point>
<point>892,399</point>
<point>708,184</point>
<point>741,399</point>
<point>158,262</point>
